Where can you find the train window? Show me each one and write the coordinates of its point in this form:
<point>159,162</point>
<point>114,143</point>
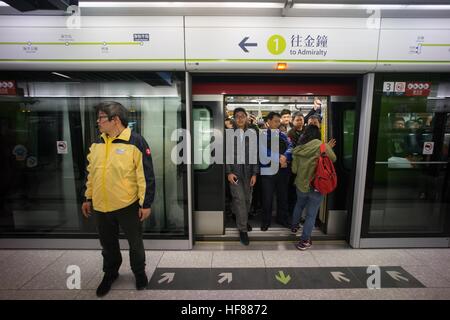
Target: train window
<point>202,135</point>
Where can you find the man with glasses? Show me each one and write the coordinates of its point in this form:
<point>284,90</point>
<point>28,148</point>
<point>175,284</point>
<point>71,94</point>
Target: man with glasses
<point>120,189</point>
<point>241,175</point>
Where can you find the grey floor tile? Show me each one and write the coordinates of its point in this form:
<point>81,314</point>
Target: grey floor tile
<point>126,279</point>
<point>153,257</point>
<point>38,294</point>
<point>424,294</point>
<point>238,259</point>
<point>336,258</point>
<point>388,257</point>
<point>237,246</point>
<point>118,295</point>
<point>428,276</point>
<point>186,259</point>
<point>442,269</point>
<point>431,256</point>
<point>265,245</point>
<point>56,275</point>
<point>315,294</point>
<point>4,254</point>
<point>22,266</point>
<point>289,259</point>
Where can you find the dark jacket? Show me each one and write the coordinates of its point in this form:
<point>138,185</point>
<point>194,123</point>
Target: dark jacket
<point>294,136</point>
<point>285,146</point>
<point>246,170</point>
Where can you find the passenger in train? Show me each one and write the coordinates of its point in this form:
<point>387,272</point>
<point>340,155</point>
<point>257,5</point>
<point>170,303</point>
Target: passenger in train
<point>294,136</point>
<point>297,129</point>
<point>397,142</point>
<point>315,110</point>
<point>253,122</point>
<point>120,190</point>
<point>399,123</point>
<point>241,177</point>
<point>304,164</point>
<point>278,182</point>
<point>315,120</point>
<point>229,123</point>
<point>262,123</point>
<point>286,120</point>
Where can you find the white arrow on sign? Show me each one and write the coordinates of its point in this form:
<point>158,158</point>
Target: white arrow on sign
<point>225,276</point>
<point>396,275</point>
<point>338,276</point>
<point>167,276</point>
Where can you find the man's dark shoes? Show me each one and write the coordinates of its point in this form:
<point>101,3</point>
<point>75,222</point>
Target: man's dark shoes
<point>264,227</point>
<point>106,283</point>
<point>244,238</point>
<point>141,281</point>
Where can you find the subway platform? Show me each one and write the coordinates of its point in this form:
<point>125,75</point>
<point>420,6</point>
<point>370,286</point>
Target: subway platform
<point>230,271</point>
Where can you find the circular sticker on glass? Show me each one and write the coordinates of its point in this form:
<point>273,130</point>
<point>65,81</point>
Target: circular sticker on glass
<point>20,152</point>
<point>31,162</point>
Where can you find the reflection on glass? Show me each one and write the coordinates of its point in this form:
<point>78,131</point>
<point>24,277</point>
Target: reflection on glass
<point>203,133</point>
<point>409,177</point>
<point>45,140</point>
<point>349,132</point>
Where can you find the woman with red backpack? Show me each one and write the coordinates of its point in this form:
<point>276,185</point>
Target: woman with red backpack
<point>304,165</point>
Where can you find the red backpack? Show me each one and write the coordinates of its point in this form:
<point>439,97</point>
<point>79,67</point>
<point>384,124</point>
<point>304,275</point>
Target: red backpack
<point>325,178</point>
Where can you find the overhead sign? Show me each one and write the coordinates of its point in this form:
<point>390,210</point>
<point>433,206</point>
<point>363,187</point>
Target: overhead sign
<point>302,43</point>
<point>414,44</point>
<point>131,47</point>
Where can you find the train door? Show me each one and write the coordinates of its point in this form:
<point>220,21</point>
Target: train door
<point>209,197</point>
<point>214,99</point>
<point>342,125</point>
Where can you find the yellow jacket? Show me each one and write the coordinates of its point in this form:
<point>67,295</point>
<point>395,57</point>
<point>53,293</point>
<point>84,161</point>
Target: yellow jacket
<point>119,172</point>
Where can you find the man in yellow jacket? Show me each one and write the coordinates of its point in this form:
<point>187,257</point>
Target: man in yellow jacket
<point>120,189</point>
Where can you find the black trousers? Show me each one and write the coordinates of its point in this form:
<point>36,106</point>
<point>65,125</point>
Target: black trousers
<point>108,229</point>
<point>292,193</point>
<point>276,183</point>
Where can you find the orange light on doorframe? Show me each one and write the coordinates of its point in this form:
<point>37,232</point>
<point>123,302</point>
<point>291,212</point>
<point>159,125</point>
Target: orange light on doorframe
<point>281,66</point>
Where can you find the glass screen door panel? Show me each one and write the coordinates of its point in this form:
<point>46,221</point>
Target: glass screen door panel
<point>410,174</point>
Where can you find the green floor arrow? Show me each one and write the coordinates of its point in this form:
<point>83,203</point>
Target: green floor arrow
<point>282,278</point>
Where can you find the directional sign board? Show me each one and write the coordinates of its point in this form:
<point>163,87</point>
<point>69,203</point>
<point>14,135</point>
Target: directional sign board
<point>278,278</point>
<point>414,44</point>
<point>231,43</point>
<point>130,43</point>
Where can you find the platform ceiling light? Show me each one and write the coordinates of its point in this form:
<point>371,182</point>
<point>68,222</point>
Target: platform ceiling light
<point>281,66</point>
<point>209,4</point>
<point>331,6</point>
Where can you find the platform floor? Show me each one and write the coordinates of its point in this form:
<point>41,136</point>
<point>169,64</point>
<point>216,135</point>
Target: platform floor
<point>42,274</point>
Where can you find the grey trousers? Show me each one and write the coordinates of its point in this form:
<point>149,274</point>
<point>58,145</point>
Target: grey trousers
<point>241,195</point>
